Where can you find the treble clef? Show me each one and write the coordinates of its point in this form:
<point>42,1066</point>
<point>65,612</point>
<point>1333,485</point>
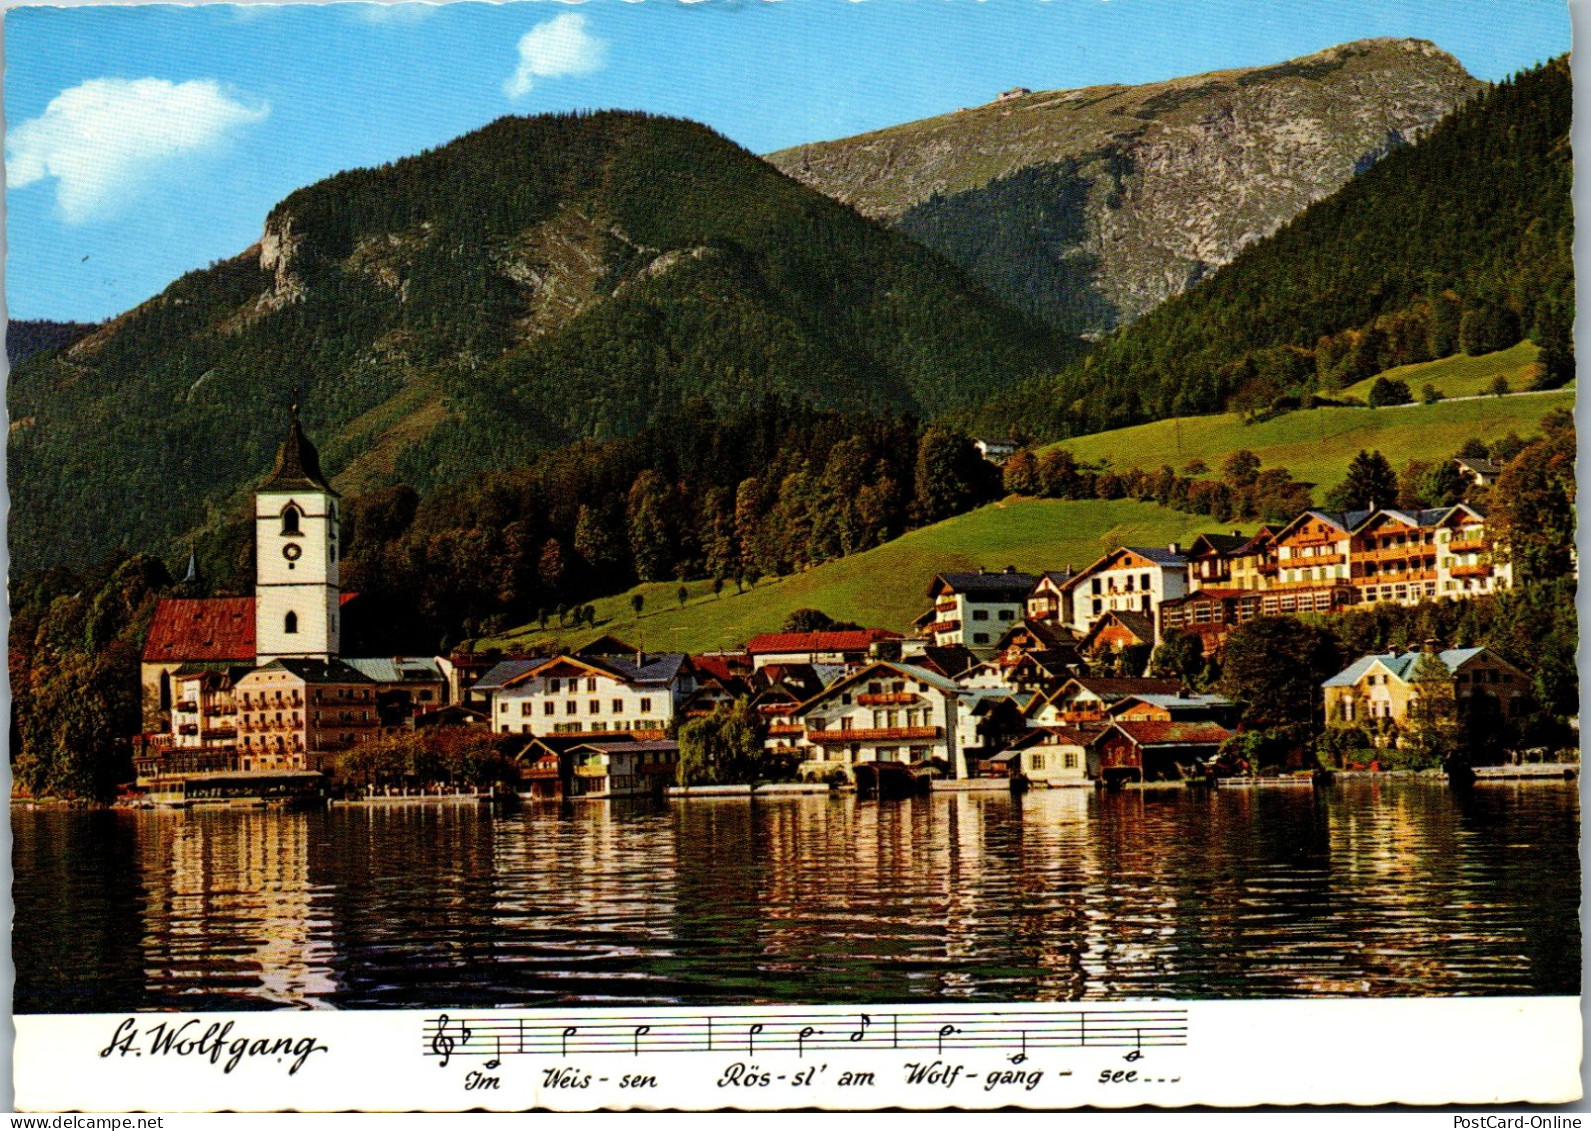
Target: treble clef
<point>442,1044</point>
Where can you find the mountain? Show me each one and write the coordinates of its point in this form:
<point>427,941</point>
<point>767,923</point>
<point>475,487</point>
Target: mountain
<point>1462,241</point>
<point>28,336</point>
<point>538,282</point>
<point>1088,207</point>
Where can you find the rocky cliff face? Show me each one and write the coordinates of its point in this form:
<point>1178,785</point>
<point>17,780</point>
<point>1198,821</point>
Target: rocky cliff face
<point>1089,207</point>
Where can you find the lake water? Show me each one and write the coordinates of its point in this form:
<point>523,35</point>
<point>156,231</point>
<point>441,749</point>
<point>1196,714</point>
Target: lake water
<point>1370,888</point>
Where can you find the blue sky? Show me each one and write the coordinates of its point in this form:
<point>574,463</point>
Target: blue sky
<point>144,142</point>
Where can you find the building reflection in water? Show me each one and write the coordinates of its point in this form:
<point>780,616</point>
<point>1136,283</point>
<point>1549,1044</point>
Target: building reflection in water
<point>229,917</point>
<point>1396,888</point>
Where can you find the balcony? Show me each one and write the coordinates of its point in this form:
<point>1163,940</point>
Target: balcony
<point>946,606</point>
<point>600,735</point>
<point>786,730</point>
<point>1469,545</point>
<point>887,734</point>
<point>187,706</point>
<point>1304,562</point>
<point>1396,577</point>
<point>1482,570</point>
<point>591,771</point>
<point>945,626</point>
<point>890,699</point>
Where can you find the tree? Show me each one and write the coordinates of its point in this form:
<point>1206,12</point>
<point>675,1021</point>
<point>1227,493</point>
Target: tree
<point>1388,391</point>
<point>951,476</point>
<point>723,748</point>
<point>1179,655</point>
<point>1431,732</point>
<point>682,595</point>
<point>637,603</point>
<point>1275,666</point>
<point>551,565</point>
<point>1499,386</point>
<point>1533,509</point>
<point>814,620</point>
<point>651,514</point>
<point>1430,394</point>
<point>1370,483</point>
<point>1241,468</point>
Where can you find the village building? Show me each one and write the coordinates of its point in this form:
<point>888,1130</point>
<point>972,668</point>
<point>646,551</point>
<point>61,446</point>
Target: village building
<point>1053,755</point>
<point>1480,472</point>
<point>407,686</point>
<point>1393,556</point>
<point>848,646</point>
<point>884,712</point>
<point>1211,615</point>
<point>1154,751</point>
<point>995,451</point>
<point>1083,699</point>
<point>975,609</point>
<point>1182,707</point>
<point>1380,688</point>
<point>951,660</point>
<point>1050,601</point>
<point>1122,641</point>
<point>1210,558</point>
<point>298,714</point>
<point>595,696</point>
<point>1312,570</point>
<point>1467,564</point>
<point>623,769</point>
<point>1254,565</point>
<point>1130,579</point>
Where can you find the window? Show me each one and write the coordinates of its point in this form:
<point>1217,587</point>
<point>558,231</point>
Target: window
<point>290,516</point>
<point>524,708</point>
<point>1038,762</point>
<point>980,638</point>
<point>290,623</point>
<point>502,708</point>
<point>570,707</point>
<point>1069,760</point>
<point>548,708</point>
<point>552,685</point>
<point>618,705</point>
<point>591,685</point>
<point>980,614</point>
<point>1007,614</point>
<point>594,707</point>
<point>646,706</point>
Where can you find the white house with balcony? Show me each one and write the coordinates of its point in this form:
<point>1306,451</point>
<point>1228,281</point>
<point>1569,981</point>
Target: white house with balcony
<point>975,609</point>
<point>885,712</point>
<point>1129,579</point>
<point>595,696</point>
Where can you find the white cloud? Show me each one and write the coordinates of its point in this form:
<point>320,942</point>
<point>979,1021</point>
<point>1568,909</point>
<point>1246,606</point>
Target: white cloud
<point>393,12</point>
<point>105,136</point>
<point>560,46</point>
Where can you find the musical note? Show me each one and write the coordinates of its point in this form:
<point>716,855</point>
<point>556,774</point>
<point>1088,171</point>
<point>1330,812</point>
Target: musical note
<point>1138,1052</point>
<point>640,1031</point>
<point>751,1038</point>
<point>443,1044</point>
<point>1022,1056</point>
<point>497,1059</point>
<point>567,1033</point>
<point>945,1031</point>
<point>861,1030</point>
<point>801,1040</point>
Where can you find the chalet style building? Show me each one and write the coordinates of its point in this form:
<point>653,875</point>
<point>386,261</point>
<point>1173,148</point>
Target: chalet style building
<point>975,609</point>
<point>1132,579</point>
<point>1051,755</point>
<point>849,646</point>
<point>1085,699</point>
<point>1153,751</point>
<point>595,696</point>
<point>1050,602</point>
<point>884,712</point>
<point>1376,688</point>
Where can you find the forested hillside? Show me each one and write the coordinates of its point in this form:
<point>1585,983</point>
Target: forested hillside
<point>536,283</point>
<point>1462,241</point>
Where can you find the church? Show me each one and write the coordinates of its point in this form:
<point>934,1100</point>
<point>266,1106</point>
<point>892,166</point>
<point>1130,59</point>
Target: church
<point>250,696</point>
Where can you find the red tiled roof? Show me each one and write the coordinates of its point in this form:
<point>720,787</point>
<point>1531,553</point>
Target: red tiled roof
<point>720,667</point>
<point>214,628</point>
<point>1174,734</point>
<point>853,641</point>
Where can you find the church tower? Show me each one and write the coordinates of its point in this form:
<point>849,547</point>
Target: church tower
<point>295,549</point>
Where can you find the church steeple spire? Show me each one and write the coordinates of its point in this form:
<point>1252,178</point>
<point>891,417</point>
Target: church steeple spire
<point>297,462</point>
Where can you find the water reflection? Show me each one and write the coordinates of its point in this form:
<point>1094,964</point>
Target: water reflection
<point>1363,889</point>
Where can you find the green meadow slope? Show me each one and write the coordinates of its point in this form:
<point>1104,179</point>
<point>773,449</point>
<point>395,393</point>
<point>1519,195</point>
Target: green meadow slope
<point>1316,445</point>
<point>883,587</point>
<point>1462,375</point>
